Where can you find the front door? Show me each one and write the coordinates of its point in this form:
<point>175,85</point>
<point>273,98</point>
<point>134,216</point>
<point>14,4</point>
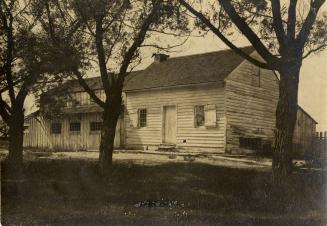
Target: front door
<point>169,125</point>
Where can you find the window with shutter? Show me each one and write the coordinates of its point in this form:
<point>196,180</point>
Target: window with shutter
<point>210,115</point>
<point>133,116</point>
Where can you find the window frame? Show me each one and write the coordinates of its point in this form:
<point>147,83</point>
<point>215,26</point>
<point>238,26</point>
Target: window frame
<point>52,128</point>
<point>75,131</point>
<point>96,125</point>
<point>140,123</point>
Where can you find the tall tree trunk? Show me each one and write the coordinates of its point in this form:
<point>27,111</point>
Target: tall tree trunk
<point>16,137</point>
<point>110,117</point>
<point>286,114</point>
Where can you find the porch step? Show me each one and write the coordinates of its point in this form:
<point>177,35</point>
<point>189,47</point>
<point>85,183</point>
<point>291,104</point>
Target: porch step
<point>166,147</point>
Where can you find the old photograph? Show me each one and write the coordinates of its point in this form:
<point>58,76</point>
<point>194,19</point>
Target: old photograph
<point>163,112</point>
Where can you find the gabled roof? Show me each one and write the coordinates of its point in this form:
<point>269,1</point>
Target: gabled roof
<point>176,71</point>
<point>186,70</point>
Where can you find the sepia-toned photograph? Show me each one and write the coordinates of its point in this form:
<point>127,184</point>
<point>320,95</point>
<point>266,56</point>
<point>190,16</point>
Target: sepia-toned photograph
<point>163,112</point>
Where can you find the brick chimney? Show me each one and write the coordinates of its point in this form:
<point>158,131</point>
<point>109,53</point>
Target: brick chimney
<point>159,57</point>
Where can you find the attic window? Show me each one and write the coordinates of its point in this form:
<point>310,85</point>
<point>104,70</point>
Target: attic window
<point>250,143</point>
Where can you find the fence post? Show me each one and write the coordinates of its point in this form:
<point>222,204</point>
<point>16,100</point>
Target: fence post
<point>325,148</point>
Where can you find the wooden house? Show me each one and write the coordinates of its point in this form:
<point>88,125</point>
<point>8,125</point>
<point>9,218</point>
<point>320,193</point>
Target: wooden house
<point>213,102</point>
<point>76,127</point>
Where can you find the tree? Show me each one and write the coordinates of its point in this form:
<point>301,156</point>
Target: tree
<point>283,36</point>
<point>113,33</point>
<point>24,65</point>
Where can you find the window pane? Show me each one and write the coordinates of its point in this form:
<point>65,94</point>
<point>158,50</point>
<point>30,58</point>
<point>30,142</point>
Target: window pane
<point>55,128</point>
<point>199,115</point>
<point>95,126</point>
<point>142,117</point>
<point>75,126</point>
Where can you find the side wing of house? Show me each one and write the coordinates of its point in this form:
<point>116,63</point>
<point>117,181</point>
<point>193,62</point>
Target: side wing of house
<point>304,133</point>
<point>36,133</point>
<point>77,128</point>
<point>189,117</point>
<point>251,100</point>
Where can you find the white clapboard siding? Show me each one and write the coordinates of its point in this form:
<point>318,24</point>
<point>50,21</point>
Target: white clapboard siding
<point>185,99</point>
<point>39,136</point>
<point>249,108</point>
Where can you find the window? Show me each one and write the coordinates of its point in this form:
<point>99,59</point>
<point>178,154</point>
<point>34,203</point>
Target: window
<point>55,128</point>
<point>250,143</point>
<point>210,115</point>
<point>95,126</point>
<point>142,117</point>
<point>199,115</point>
<point>75,127</point>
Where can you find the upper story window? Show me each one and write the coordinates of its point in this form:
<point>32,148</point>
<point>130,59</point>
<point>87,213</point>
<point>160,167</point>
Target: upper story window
<point>199,118</point>
<point>75,127</point>
<point>55,128</point>
<point>142,117</point>
<point>95,126</point>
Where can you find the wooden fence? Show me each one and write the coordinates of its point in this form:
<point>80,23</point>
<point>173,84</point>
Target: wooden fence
<point>321,147</point>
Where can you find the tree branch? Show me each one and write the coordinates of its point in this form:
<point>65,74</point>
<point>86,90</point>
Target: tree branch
<point>291,23</point>
<point>278,22</point>
<point>137,42</point>
<point>3,112</point>
<point>168,48</point>
<point>249,34</point>
<point>9,56</point>
<point>87,89</point>
<point>101,56</point>
<point>314,50</point>
<point>223,38</point>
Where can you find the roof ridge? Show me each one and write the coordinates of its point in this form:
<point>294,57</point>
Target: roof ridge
<point>208,53</point>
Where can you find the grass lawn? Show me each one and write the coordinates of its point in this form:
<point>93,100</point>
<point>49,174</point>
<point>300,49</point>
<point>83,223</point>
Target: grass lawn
<point>71,192</point>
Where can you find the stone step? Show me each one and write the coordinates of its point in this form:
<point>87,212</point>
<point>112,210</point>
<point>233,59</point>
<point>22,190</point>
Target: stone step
<point>166,147</point>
